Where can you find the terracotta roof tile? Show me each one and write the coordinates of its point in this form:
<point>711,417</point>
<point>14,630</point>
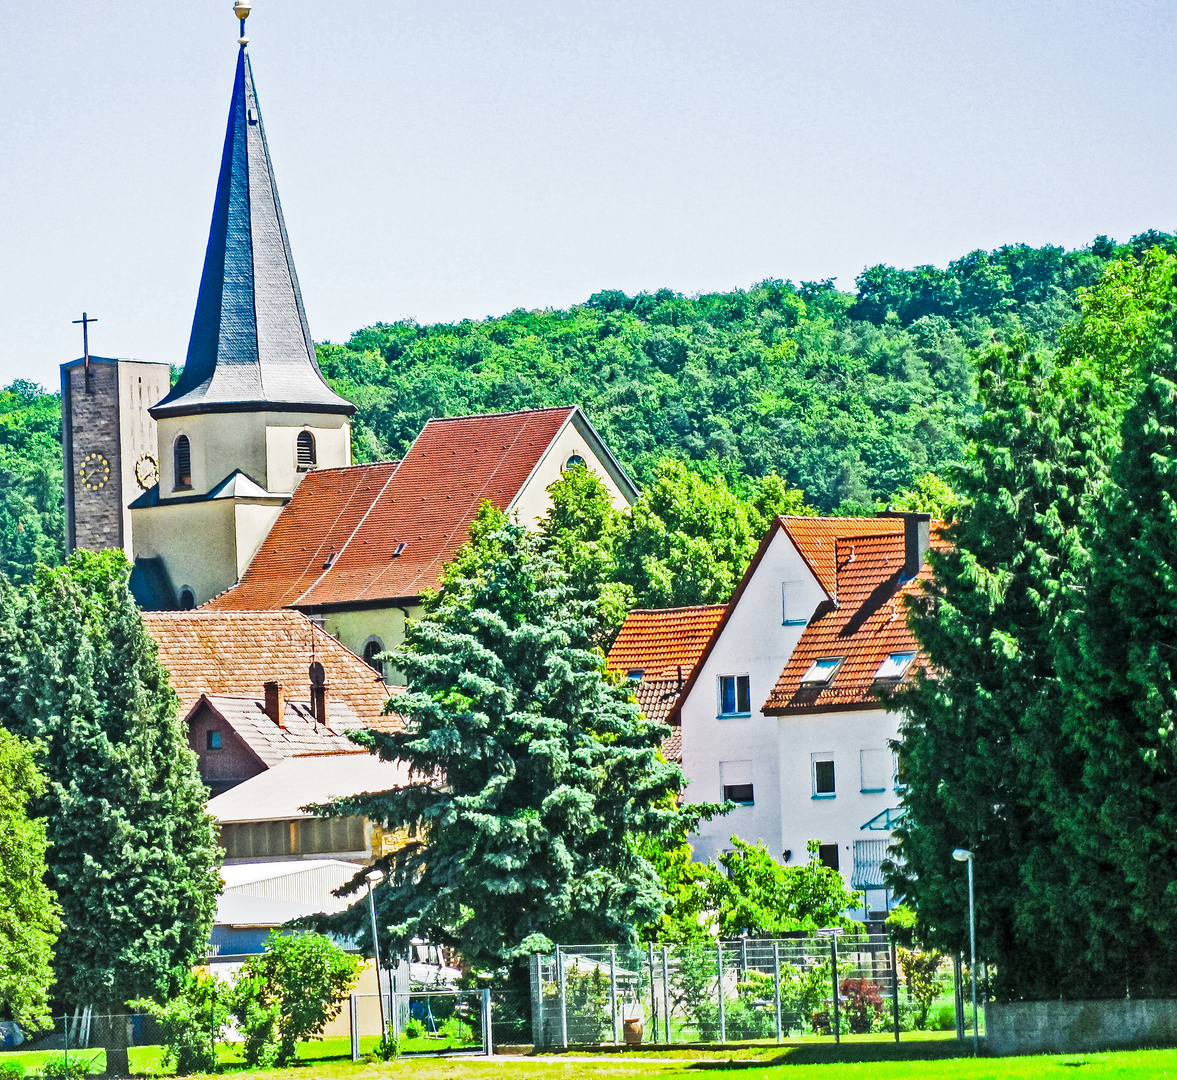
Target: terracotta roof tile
<point>657,697</point>
<point>233,654</point>
<point>659,642</point>
<point>867,625</point>
<point>336,541</point>
<point>815,539</point>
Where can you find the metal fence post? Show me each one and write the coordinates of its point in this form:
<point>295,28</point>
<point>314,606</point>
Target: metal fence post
<point>666,991</point>
<point>355,1027</point>
<point>958,995</point>
<point>653,996</point>
<point>834,980</point>
<point>560,974</point>
<point>613,992</point>
<point>719,987</point>
<point>776,985</point>
<point>895,988</point>
<point>487,1029</point>
<point>539,1035</point>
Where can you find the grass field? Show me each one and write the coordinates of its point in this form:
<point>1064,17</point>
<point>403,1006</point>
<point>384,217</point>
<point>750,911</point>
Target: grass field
<point>874,1060</point>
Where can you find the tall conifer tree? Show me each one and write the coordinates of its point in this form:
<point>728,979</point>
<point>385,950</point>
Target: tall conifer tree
<point>536,777</point>
<point>133,856</point>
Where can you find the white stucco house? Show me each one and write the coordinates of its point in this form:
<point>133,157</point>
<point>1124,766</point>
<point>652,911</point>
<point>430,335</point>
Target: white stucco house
<point>781,714</point>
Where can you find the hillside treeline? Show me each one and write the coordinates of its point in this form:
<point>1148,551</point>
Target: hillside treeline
<point>849,396</point>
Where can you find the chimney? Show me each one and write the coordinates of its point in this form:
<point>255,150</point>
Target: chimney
<point>275,706</point>
<point>318,692</point>
<point>917,532</point>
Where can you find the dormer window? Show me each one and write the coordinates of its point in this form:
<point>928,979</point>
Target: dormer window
<point>182,463</point>
<point>895,666</point>
<point>821,671</point>
<point>307,458</point>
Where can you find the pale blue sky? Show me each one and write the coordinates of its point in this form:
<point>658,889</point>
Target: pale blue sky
<point>443,160</point>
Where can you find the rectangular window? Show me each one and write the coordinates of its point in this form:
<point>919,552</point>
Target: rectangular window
<point>877,770</point>
<point>735,781</point>
<point>735,695</point>
<point>738,793</point>
<point>828,854</point>
<point>793,611</point>
<point>823,776</point>
<point>213,740</point>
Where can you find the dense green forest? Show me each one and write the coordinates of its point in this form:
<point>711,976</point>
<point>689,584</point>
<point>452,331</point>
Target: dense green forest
<point>849,396</point>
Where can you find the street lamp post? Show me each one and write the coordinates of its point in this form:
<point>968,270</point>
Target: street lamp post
<point>964,856</point>
<point>374,877</point>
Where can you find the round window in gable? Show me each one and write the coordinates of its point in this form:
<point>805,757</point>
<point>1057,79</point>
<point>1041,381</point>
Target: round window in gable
<point>187,598</point>
<point>573,461</point>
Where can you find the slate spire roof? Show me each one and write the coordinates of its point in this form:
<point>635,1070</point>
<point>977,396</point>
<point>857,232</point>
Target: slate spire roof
<point>251,348</point>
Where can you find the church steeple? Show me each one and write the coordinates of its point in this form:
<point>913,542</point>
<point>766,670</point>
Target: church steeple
<point>251,348</point>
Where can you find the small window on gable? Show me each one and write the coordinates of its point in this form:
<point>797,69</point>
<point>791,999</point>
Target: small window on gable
<point>573,461</point>
<point>793,611</point>
<point>213,740</point>
<point>828,855</point>
<point>187,598</point>
<point>182,460</point>
<point>822,670</point>
<point>735,695</point>
<point>306,451</point>
<point>895,666</point>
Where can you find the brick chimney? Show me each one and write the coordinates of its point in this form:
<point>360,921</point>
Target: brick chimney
<point>917,535</point>
<point>318,692</point>
<point>275,704</point>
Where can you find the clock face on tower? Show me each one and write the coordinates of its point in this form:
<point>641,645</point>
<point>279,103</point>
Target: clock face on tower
<point>147,471</point>
<point>94,471</point>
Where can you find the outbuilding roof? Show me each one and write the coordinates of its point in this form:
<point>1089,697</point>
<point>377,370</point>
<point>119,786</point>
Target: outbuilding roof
<point>658,642</point>
<point>234,653</point>
<point>375,533</point>
<point>299,733</point>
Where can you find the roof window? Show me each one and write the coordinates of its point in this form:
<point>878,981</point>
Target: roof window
<point>636,673</point>
<point>399,550</point>
<point>822,670</point>
<point>895,666</point>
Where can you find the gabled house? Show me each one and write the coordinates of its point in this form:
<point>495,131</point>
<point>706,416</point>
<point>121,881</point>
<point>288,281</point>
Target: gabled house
<point>268,698</point>
<point>782,713</point>
<point>356,547</point>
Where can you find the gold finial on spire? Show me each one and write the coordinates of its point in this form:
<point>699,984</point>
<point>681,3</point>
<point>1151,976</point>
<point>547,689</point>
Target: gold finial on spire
<point>242,9</point>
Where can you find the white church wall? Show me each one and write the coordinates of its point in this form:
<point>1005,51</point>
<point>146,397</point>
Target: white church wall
<point>197,541</point>
<point>533,502</point>
<point>354,629</point>
<point>332,448</point>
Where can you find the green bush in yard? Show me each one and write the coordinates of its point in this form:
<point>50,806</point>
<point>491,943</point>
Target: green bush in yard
<point>193,1022</point>
<point>289,993</point>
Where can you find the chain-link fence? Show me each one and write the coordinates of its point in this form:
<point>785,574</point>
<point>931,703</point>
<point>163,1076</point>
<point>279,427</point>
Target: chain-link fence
<point>746,990</point>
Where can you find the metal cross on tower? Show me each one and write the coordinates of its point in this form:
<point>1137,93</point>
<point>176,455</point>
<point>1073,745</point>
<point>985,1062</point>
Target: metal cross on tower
<point>85,320</point>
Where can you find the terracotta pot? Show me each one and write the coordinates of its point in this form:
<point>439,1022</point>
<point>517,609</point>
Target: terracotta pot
<point>632,1031</point>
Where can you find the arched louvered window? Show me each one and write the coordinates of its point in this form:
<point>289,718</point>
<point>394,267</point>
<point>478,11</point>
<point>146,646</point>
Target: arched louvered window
<point>182,457</point>
<point>306,451</point>
<point>373,647</point>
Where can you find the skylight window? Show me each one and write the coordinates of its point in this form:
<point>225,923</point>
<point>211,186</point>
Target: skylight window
<point>822,670</point>
<point>636,674</point>
<point>895,666</point>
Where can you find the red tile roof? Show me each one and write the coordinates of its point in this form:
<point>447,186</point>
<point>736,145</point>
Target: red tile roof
<point>816,537</point>
<point>868,624</point>
<point>336,541</point>
<point>235,653</point>
<point>659,642</point>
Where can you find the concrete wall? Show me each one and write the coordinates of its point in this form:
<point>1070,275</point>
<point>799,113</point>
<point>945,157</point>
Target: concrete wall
<point>1069,1027</point>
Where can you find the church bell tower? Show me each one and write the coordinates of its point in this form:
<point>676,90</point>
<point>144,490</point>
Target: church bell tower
<point>251,412</point>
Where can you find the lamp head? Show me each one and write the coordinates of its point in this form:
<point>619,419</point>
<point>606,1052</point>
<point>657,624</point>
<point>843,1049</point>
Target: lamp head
<point>962,854</point>
<point>241,9</point>
<point>374,877</point>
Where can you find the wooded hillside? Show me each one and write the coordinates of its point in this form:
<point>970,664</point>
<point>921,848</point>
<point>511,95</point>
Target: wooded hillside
<point>849,396</point>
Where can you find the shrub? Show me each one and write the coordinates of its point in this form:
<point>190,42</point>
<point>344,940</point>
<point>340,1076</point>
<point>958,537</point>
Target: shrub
<point>290,992</point>
<point>66,1066</point>
<point>193,1023</point>
<point>919,971</point>
<point>11,1070</point>
<point>864,1004</point>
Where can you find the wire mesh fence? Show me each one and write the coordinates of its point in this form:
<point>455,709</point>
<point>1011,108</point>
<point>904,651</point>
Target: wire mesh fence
<point>737,991</point>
